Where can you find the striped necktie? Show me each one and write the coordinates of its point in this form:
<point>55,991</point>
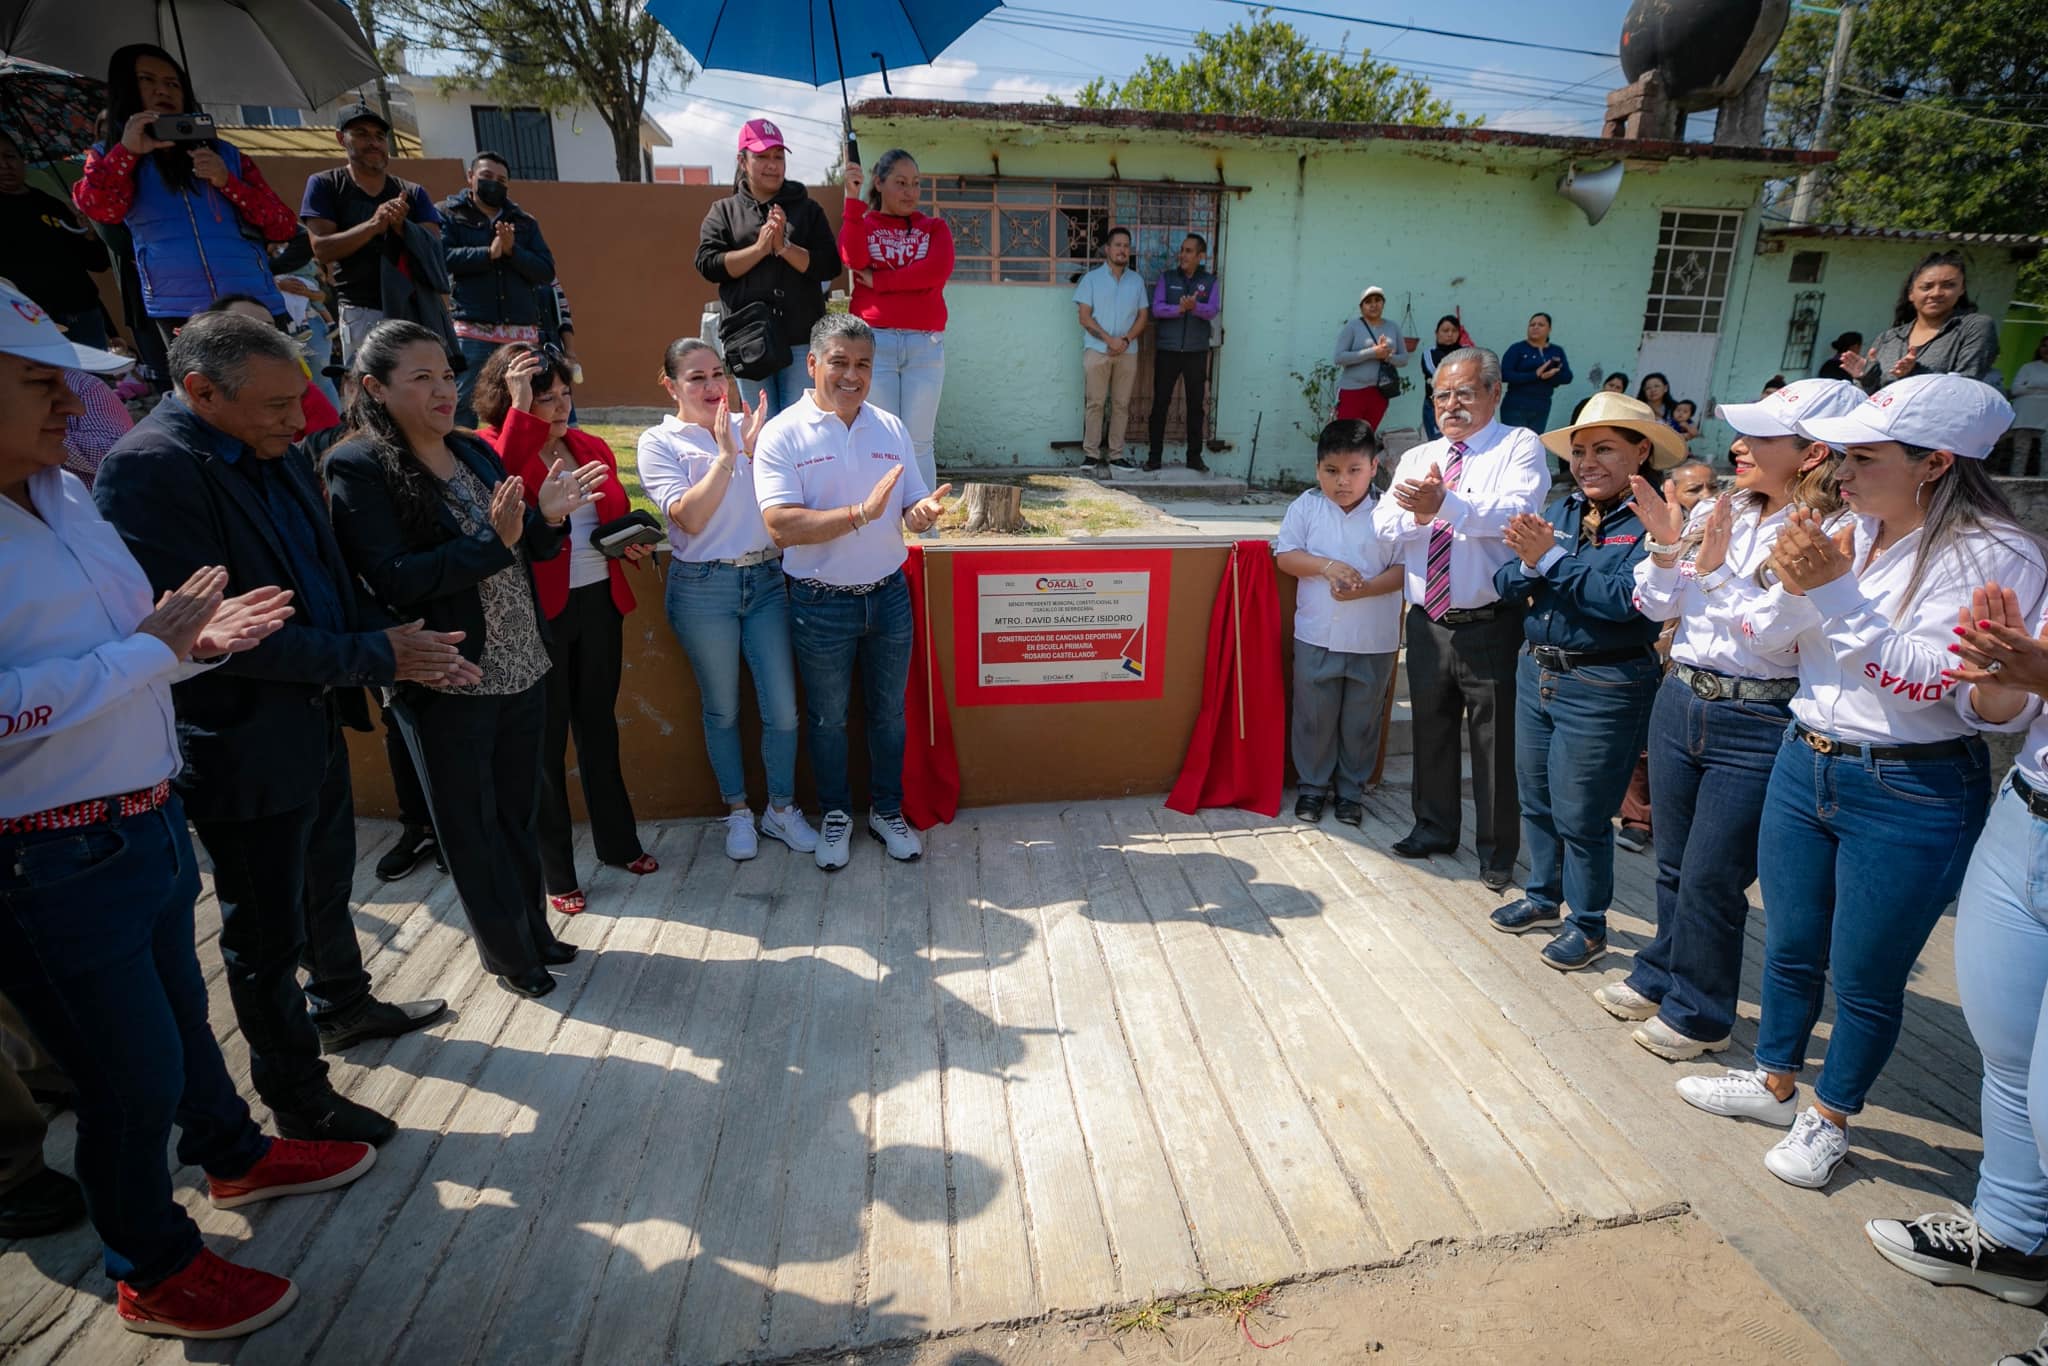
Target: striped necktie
<point>1436,582</point>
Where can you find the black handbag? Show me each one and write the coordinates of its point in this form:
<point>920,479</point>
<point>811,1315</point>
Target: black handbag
<point>1390,384</point>
<point>755,344</point>
<point>616,537</point>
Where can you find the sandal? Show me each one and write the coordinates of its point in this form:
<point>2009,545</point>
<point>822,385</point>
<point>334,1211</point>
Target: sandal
<point>568,903</point>
<point>642,866</point>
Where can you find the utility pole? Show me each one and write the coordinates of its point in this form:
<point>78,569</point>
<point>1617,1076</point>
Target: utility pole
<point>369,22</point>
<point>1802,198</point>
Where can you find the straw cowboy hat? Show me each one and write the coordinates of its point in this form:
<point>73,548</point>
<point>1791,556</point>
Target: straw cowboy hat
<point>1667,447</point>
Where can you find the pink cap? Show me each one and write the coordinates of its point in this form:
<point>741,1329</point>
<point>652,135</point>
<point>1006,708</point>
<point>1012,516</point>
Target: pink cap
<point>758,135</point>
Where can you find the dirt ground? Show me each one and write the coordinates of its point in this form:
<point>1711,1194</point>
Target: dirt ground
<point>1664,1292</point>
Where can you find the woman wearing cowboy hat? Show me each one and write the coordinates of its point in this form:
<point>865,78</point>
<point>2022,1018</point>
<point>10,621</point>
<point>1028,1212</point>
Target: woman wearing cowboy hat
<point>1584,686</point>
<point>1719,716</point>
<point>1880,786</point>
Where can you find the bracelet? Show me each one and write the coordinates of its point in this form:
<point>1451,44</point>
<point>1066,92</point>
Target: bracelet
<point>1714,580</point>
<point>849,518</point>
<point>1656,547</point>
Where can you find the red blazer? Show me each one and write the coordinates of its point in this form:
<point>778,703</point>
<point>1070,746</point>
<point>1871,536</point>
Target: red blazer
<point>519,444</point>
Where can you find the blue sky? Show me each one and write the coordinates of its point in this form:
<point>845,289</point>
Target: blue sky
<point>1027,50</point>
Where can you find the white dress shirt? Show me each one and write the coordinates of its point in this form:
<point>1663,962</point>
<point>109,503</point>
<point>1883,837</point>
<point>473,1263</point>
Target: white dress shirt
<point>1360,626</point>
<point>85,698</point>
<point>674,458</point>
<point>807,457</point>
<point>1710,617</point>
<point>1870,663</point>
<point>1505,472</point>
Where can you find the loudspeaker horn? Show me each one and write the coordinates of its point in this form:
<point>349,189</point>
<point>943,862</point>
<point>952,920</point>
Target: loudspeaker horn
<point>1592,191</point>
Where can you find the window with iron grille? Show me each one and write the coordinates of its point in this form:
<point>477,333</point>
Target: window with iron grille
<point>524,137</point>
<point>1801,332</point>
<point>1050,232</point>
<point>1689,280</point>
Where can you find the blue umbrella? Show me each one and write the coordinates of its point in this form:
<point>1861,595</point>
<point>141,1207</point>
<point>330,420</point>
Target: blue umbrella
<point>799,40</point>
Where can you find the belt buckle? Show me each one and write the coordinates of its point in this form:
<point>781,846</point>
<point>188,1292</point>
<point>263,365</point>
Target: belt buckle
<point>1550,657</point>
<point>1704,685</point>
<point>1819,744</point>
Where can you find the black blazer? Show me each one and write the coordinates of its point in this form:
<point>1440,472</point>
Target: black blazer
<point>255,729</point>
<point>434,581</point>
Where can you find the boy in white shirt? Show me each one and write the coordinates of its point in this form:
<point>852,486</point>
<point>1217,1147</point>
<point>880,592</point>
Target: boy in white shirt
<point>1347,621</point>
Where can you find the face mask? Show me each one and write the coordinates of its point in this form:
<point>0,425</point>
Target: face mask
<point>491,193</point>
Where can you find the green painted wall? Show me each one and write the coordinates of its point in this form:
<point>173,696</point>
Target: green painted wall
<point>1437,225</point>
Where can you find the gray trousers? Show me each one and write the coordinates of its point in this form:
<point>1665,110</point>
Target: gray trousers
<point>356,322</point>
<point>1339,699</point>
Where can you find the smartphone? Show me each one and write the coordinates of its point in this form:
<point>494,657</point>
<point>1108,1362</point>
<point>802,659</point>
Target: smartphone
<point>615,545</point>
<point>182,128</point>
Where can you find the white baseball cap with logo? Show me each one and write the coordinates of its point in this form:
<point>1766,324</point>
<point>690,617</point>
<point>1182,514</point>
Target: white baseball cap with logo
<point>1784,412</point>
<point>28,332</point>
<point>1937,412</point>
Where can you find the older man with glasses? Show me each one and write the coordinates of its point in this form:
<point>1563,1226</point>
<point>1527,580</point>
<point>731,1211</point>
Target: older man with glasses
<point>1449,510</point>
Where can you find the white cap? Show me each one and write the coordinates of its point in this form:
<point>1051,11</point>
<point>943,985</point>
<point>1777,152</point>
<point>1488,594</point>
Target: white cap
<point>28,332</point>
<point>1939,412</point>
<point>1369,291</point>
<point>1784,412</point>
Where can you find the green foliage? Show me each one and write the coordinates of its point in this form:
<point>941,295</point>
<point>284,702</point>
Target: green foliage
<point>1942,120</point>
<point>1319,393</point>
<point>1268,69</point>
<point>551,53</point>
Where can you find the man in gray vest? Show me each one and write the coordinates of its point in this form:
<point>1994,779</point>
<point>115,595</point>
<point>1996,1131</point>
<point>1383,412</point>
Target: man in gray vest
<point>1185,303</point>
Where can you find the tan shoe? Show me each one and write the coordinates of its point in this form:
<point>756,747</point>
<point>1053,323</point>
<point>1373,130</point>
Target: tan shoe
<point>1624,1002</point>
<point>1666,1042</point>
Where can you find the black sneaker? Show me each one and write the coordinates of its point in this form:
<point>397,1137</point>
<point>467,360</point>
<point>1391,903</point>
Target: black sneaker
<point>47,1202</point>
<point>1951,1249</point>
<point>1197,464</point>
<point>336,1118</point>
<point>374,1019</point>
<point>414,843</point>
<point>1309,807</point>
<point>1631,839</point>
<point>1350,813</point>
<point>2037,1355</point>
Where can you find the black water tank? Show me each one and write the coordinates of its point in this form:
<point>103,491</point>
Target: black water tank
<point>1704,50</point>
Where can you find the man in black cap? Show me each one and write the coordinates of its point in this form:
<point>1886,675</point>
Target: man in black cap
<point>357,214</point>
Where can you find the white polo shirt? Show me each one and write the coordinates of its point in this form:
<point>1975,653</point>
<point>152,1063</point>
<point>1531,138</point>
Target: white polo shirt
<point>1361,626</point>
<point>674,457</point>
<point>806,457</point>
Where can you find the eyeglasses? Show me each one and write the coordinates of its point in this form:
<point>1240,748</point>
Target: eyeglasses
<point>1466,394</point>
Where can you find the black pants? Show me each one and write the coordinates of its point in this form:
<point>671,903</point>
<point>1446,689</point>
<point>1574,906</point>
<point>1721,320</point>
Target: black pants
<point>405,777</point>
<point>479,759</point>
<point>583,694</point>
<point>1193,368</point>
<point>283,883</point>
<point>1466,674</point>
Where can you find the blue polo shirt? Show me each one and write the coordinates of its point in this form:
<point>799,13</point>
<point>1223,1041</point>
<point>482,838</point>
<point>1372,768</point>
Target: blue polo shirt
<point>1582,595</point>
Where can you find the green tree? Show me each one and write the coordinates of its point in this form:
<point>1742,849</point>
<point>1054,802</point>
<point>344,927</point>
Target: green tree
<point>1942,120</point>
<point>552,53</point>
<point>1268,69</point>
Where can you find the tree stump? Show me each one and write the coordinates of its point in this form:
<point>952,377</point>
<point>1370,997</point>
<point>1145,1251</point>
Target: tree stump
<point>993,507</point>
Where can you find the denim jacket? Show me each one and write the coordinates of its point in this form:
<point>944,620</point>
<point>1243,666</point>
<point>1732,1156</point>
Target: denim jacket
<point>1583,597</point>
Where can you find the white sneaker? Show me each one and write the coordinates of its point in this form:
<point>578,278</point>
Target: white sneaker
<point>835,841</point>
<point>790,827</point>
<point>740,844</point>
<point>1624,1002</point>
<point>1660,1038</point>
<point>1809,1154</point>
<point>895,834</point>
<point>1738,1095</point>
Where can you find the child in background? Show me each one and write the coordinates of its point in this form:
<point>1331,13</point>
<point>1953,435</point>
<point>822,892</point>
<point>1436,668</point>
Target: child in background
<point>1347,622</point>
<point>1685,418</point>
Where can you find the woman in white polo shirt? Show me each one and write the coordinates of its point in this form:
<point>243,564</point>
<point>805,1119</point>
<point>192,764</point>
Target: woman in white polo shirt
<point>838,484</point>
<point>1720,715</point>
<point>726,597</point>
<point>1879,789</point>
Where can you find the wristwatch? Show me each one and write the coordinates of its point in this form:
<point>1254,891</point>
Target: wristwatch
<point>1656,547</point>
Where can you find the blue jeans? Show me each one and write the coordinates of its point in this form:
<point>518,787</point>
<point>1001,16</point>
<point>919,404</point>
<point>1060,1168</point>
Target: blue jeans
<point>721,614</point>
<point>831,632</point>
<point>96,952</point>
<point>474,353</point>
<point>320,355</point>
<point>1577,735</point>
<point>910,370</point>
<point>784,387</point>
<point>1710,764</point>
<point>2002,972</point>
<point>1859,858</point>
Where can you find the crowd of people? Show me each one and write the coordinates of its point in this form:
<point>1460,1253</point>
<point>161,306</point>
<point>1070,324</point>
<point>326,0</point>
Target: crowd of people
<point>1790,675</point>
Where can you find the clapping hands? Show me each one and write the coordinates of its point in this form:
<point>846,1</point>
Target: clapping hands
<point>1805,556</point>
<point>1530,537</point>
<point>1998,655</point>
<point>1424,497</point>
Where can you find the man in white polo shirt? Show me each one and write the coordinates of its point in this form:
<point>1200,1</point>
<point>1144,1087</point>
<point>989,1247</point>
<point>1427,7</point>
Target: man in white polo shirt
<point>1113,308</point>
<point>837,485</point>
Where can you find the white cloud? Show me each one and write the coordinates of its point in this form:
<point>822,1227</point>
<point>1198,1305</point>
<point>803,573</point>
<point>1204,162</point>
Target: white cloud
<point>705,121</point>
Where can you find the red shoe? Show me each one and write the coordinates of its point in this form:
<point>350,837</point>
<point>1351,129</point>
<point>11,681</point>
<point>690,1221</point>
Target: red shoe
<point>210,1298</point>
<point>294,1166</point>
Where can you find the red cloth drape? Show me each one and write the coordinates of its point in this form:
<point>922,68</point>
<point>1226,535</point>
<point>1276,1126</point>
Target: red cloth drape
<point>1236,756</point>
<point>931,766</point>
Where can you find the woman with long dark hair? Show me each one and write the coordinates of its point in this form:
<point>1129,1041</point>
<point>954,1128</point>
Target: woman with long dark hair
<point>186,205</point>
<point>1936,329</point>
<point>429,520</point>
<point>1448,332</point>
<point>523,396</point>
<point>1719,716</point>
<point>1880,786</point>
<point>1655,391</point>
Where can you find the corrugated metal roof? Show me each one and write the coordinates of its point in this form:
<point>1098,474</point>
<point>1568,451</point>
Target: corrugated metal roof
<point>1243,126</point>
<point>1978,239</point>
<point>316,141</point>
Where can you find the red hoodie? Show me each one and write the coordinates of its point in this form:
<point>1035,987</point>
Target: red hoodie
<point>912,258</point>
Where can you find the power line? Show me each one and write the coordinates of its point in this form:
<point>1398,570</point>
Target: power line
<point>1932,108</point>
<point>1441,32</point>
